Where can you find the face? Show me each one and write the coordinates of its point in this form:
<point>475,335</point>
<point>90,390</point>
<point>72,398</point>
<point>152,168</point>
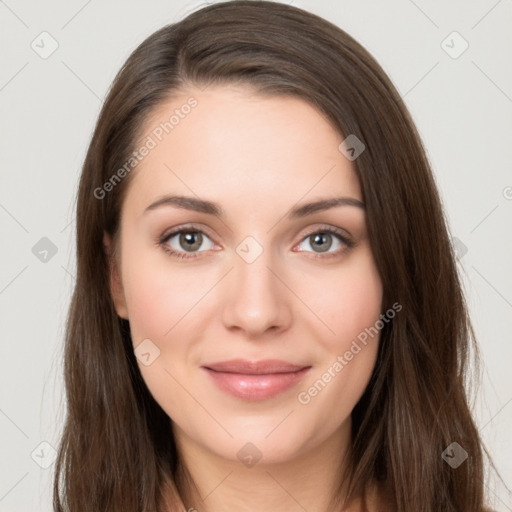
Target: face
<point>239,270</point>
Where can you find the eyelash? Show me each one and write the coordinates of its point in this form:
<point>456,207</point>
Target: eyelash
<point>349,244</point>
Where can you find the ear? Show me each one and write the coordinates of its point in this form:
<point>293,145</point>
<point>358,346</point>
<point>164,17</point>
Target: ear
<point>116,286</point>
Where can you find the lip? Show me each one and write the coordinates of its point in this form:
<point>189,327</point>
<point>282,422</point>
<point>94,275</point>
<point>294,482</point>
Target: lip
<point>255,380</point>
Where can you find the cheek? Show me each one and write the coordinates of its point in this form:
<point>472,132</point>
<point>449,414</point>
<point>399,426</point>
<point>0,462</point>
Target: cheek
<point>159,296</point>
<point>352,304</point>
<point>347,300</point>
<point>360,302</point>
<point>161,304</point>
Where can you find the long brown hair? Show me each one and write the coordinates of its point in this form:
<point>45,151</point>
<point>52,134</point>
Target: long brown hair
<point>117,452</point>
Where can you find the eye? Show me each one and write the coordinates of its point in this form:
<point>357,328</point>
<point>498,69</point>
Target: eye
<point>185,242</point>
<point>324,239</point>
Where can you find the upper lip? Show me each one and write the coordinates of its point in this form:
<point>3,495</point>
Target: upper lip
<point>262,367</point>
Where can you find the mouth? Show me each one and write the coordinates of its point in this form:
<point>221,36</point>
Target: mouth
<point>255,380</point>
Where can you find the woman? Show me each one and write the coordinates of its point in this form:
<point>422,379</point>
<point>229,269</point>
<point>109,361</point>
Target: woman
<point>267,314</point>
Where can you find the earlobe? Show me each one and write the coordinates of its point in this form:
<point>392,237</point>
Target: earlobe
<point>116,286</point>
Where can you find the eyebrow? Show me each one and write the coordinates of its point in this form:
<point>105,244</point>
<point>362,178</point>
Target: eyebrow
<point>211,208</point>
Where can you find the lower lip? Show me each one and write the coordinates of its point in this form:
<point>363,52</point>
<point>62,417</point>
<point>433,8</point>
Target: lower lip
<point>256,387</point>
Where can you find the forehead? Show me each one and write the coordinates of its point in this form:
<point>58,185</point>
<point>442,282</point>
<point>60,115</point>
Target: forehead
<point>229,143</point>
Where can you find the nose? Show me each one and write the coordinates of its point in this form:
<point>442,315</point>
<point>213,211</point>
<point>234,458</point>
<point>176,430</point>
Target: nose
<point>256,300</point>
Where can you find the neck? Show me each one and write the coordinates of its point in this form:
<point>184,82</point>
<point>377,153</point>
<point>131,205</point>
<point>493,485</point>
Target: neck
<point>208,482</point>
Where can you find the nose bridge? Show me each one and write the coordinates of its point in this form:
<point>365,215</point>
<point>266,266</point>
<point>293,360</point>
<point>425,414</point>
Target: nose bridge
<point>253,278</point>
<point>256,298</point>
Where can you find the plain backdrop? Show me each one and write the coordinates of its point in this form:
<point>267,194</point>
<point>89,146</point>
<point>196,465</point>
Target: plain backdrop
<point>458,88</point>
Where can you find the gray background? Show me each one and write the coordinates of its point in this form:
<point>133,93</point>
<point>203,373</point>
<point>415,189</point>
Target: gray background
<point>461,104</point>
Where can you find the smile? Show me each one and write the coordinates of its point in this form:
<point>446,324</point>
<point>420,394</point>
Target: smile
<point>255,380</point>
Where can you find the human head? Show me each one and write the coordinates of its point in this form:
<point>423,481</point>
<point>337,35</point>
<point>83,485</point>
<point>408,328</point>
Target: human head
<point>269,50</point>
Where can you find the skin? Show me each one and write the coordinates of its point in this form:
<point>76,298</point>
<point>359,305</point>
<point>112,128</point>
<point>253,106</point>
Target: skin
<point>257,157</point>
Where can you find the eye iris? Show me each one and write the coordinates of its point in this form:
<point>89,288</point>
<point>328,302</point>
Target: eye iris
<point>321,238</point>
<point>191,237</point>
